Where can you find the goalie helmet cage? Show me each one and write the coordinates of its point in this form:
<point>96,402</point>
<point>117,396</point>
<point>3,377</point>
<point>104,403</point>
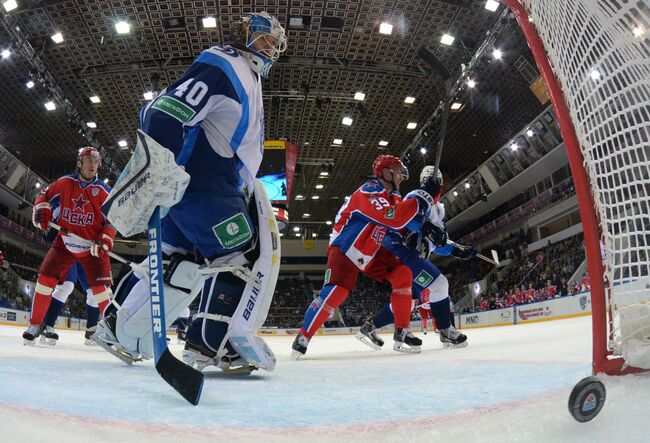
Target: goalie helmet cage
<point>595,60</point>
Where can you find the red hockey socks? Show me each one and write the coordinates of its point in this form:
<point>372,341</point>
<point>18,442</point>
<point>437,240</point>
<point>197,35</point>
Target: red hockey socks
<point>42,298</point>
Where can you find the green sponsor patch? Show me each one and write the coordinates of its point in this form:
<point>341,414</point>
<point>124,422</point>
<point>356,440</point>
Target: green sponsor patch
<point>328,272</point>
<point>423,279</point>
<point>233,231</point>
<point>177,109</point>
<point>390,213</point>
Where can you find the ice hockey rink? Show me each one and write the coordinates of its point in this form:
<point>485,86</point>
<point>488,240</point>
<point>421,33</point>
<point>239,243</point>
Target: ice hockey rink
<point>511,384</point>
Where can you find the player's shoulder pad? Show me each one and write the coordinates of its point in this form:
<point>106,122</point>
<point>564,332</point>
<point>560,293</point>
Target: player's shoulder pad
<point>373,186</point>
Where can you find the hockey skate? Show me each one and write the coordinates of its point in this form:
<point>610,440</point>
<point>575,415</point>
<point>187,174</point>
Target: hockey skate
<point>198,356</point>
<point>453,338</point>
<point>105,338</point>
<point>368,335</point>
<point>33,331</point>
<point>49,336</point>
<point>299,347</point>
<point>406,342</point>
<point>88,341</point>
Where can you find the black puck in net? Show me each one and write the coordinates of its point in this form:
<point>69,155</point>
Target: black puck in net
<point>587,399</point>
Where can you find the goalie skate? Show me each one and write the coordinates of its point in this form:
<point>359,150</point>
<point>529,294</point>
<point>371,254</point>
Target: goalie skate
<point>49,336</point>
<point>405,341</point>
<point>105,338</point>
<point>453,338</point>
<point>368,336</point>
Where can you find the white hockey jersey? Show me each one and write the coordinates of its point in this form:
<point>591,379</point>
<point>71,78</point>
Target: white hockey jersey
<point>212,119</point>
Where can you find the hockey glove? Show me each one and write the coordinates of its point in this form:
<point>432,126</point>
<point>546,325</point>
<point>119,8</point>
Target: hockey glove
<point>464,252</point>
<point>104,242</point>
<point>423,247</point>
<point>42,215</point>
<point>435,234</point>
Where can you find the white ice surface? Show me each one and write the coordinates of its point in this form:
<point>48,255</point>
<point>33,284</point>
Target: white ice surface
<point>510,384</point>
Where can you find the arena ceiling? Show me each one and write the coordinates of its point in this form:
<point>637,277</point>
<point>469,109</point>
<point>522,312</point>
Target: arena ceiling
<point>337,53</point>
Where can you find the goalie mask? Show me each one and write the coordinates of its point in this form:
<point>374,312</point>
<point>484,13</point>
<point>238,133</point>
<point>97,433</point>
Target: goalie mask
<point>261,39</point>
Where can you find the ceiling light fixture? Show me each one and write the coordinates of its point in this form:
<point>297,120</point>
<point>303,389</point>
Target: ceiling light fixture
<point>337,141</point>
<point>497,54</point>
<point>122,144</point>
<point>94,99</point>
<point>347,121</point>
<point>386,28</point>
<point>383,143</point>
<point>10,5</point>
<point>91,125</point>
<point>29,84</point>
<point>411,125</point>
<point>447,39</point>
<point>57,38</point>
<point>409,100</point>
<point>359,96</point>
<point>491,5</point>
<point>50,106</point>
<point>122,27</point>
<point>209,22</point>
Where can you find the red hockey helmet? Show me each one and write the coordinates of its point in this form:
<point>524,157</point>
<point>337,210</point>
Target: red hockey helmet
<point>389,161</point>
<point>89,151</point>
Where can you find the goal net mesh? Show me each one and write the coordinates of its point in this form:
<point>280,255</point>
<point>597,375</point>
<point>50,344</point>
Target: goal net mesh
<point>600,52</point>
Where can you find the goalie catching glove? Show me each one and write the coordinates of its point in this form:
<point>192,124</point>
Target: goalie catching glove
<point>104,242</point>
<point>464,252</point>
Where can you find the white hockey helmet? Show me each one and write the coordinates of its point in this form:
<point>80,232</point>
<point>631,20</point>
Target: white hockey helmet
<point>261,39</point>
<point>427,172</point>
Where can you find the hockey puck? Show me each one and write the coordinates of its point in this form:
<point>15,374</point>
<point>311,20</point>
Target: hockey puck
<point>587,399</point>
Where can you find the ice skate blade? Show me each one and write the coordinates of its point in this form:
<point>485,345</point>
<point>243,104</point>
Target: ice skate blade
<point>455,346</point>
<point>296,355</point>
<point>29,342</point>
<point>48,341</point>
<point>399,347</point>
<point>118,353</point>
<point>366,341</point>
<point>89,342</point>
<point>189,358</point>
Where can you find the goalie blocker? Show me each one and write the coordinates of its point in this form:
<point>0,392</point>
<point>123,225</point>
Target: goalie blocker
<point>236,304</point>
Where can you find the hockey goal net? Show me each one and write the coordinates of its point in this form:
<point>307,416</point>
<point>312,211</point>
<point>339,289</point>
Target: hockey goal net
<point>594,56</point>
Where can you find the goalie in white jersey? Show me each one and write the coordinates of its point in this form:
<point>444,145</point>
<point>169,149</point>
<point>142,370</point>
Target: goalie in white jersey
<point>212,120</point>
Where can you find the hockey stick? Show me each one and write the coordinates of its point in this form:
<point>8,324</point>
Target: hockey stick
<point>186,380</point>
<point>111,254</point>
<point>495,256</point>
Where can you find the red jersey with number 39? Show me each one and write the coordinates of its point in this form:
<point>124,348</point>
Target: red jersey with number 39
<point>362,222</point>
<point>77,206</point>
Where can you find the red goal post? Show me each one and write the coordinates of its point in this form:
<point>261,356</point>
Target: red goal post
<point>594,57</point>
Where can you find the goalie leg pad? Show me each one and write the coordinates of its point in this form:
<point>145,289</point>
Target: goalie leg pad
<point>182,284</point>
<point>220,297</point>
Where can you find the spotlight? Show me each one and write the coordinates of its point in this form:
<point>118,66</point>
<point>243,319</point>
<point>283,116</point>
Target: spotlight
<point>94,99</point>
<point>514,147</point>
<point>148,95</point>
<point>466,185</point>
<point>314,235</point>
<point>411,125</point>
<point>29,84</point>
<point>50,106</point>
<point>37,185</point>
<point>497,54</point>
<point>91,125</point>
<point>409,100</point>
<point>106,180</point>
<point>470,83</point>
<point>383,143</point>
<point>296,229</point>
<point>359,96</point>
<point>315,197</point>
<point>530,133</point>
<point>57,38</point>
<point>491,5</point>
<point>122,144</point>
<point>328,222</point>
<point>347,121</point>
<point>594,74</point>
<point>423,150</point>
<point>6,53</point>
<point>337,141</point>
<point>455,193</point>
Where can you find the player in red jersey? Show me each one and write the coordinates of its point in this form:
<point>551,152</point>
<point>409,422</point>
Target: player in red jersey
<point>424,309</point>
<point>356,246</point>
<point>79,197</point>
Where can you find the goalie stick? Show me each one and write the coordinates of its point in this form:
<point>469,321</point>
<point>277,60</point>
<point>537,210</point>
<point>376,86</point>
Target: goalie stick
<point>186,380</point>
